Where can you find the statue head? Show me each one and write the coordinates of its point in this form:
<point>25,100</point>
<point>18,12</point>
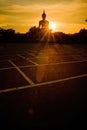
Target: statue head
<point>43,15</point>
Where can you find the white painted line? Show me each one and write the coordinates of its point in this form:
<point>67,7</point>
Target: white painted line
<point>61,56</point>
<point>33,51</point>
<point>29,53</point>
<point>27,59</point>
<point>6,59</point>
<point>19,55</point>
<point>54,81</point>
<point>70,62</point>
<point>45,57</point>
<point>22,73</point>
<point>32,62</point>
<point>44,83</point>
<point>6,68</point>
<point>65,62</point>
<point>8,90</point>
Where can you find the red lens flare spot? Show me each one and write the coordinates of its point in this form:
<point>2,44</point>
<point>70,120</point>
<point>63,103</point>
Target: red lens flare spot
<point>30,111</point>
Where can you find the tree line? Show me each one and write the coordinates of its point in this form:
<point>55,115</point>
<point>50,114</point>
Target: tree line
<point>35,35</point>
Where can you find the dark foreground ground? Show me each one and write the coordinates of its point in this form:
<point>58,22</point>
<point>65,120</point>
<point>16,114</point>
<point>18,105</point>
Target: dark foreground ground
<point>43,86</point>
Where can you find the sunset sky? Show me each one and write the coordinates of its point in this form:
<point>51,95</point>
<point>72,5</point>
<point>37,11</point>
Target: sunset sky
<point>68,15</point>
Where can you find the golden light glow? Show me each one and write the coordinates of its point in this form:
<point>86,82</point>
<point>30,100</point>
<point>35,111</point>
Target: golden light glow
<point>21,16</point>
<point>47,55</point>
<point>52,25</point>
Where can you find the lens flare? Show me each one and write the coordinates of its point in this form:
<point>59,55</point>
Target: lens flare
<point>52,25</point>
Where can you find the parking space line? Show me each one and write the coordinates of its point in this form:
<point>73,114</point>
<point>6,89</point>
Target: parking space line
<point>62,56</point>
<point>29,53</point>
<point>6,68</point>
<point>27,59</point>
<point>22,73</point>
<point>53,81</point>
<point>32,51</point>
<point>66,62</point>
<point>33,62</point>
<point>69,62</point>
<point>43,83</point>
<point>8,90</point>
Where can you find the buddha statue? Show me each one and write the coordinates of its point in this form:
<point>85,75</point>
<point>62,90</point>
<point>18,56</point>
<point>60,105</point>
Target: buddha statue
<point>44,24</point>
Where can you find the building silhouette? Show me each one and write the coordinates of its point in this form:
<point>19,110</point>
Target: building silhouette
<point>44,24</point>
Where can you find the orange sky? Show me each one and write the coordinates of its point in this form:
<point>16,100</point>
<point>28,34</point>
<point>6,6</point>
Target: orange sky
<point>68,15</point>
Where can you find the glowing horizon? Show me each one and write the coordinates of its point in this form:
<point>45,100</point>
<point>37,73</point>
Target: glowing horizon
<point>68,16</point>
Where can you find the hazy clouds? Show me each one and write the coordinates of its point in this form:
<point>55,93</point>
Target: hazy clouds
<point>25,13</point>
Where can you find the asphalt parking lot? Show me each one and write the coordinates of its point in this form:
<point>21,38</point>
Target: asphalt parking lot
<point>43,85</point>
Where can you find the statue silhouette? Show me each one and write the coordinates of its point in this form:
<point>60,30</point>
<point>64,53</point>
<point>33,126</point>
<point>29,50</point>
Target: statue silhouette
<point>44,24</point>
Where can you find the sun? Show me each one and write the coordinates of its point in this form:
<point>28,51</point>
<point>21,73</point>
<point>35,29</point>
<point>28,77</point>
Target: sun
<point>52,26</point>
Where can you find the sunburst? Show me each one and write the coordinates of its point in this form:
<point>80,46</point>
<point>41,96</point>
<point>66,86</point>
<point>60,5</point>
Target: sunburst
<point>52,26</point>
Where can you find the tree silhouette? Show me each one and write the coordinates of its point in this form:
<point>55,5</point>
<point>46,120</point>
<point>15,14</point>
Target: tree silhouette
<point>35,35</point>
